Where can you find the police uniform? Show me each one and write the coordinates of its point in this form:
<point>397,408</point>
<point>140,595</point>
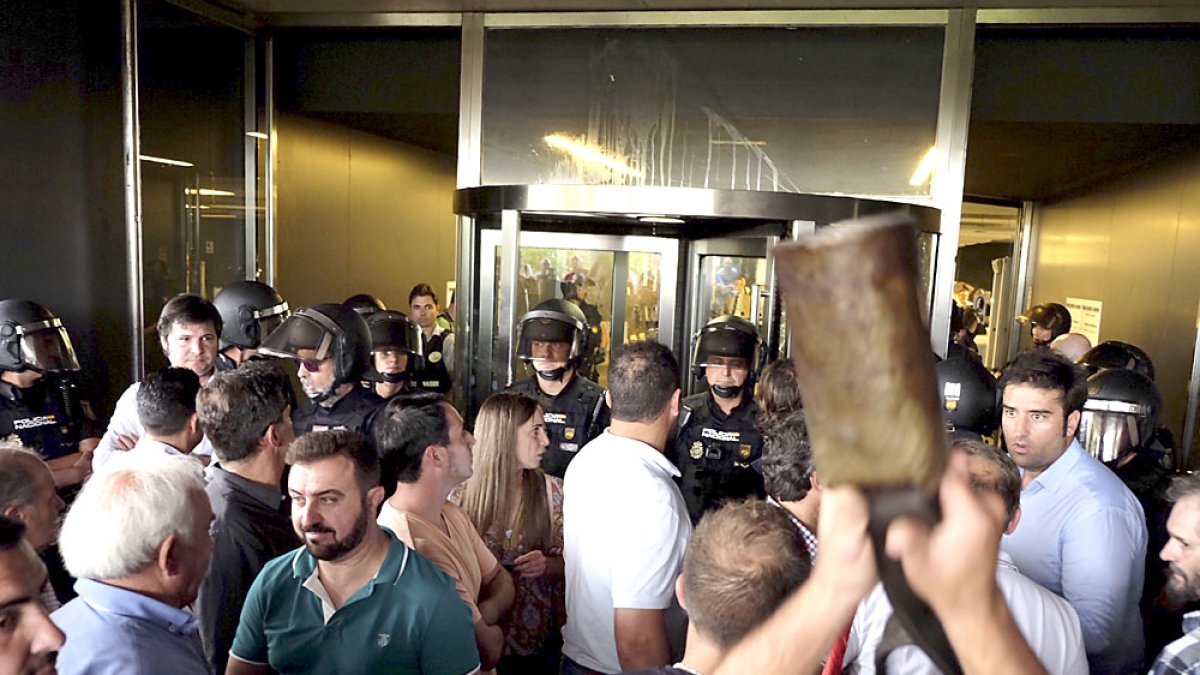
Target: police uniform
<point>224,364</point>
<point>718,455</point>
<point>42,420</point>
<point>352,411</point>
<point>573,417</point>
<point>434,376</point>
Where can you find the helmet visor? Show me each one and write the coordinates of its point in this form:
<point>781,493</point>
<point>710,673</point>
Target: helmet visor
<point>396,335</point>
<point>47,347</point>
<point>546,326</point>
<point>298,332</point>
<point>1108,434</point>
<point>271,319</point>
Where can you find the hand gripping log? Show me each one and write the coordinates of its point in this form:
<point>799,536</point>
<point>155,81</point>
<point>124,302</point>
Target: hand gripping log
<point>865,368</point>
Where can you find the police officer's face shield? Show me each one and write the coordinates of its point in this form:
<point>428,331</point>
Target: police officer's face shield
<point>396,350</point>
<point>271,318</point>
<point>46,347</point>
<point>727,359</point>
<point>1109,429</point>
<point>300,331</point>
<point>550,343</point>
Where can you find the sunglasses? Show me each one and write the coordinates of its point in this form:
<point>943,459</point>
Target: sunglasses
<point>312,365</point>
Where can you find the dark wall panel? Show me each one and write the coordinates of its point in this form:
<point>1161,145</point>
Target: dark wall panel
<point>61,197</point>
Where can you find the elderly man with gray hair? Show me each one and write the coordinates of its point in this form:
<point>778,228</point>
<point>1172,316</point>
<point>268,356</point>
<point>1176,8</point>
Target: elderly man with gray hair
<point>137,539</point>
<point>28,495</point>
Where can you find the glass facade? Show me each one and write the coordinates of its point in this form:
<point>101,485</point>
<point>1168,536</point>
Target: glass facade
<point>192,111</point>
<point>848,110</point>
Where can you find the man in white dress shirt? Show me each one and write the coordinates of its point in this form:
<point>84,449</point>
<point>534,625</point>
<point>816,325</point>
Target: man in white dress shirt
<point>166,405</point>
<point>188,329</point>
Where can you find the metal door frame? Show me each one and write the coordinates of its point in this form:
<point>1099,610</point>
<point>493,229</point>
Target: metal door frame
<point>748,214</point>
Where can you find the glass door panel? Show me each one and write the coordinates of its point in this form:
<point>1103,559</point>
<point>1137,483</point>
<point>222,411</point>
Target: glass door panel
<point>621,276</point>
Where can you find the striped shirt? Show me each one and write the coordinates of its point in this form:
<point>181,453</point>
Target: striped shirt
<point>1181,657</point>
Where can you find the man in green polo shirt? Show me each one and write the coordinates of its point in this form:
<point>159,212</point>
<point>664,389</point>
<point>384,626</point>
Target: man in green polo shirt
<point>354,599</point>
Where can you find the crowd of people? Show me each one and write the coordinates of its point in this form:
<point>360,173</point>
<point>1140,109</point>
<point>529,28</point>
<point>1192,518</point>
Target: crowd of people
<point>296,494</point>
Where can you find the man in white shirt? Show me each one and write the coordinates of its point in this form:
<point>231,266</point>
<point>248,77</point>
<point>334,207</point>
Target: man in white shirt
<point>166,406</point>
<point>626,525</point>
<point>1048,623</point>
<point>188,327</point>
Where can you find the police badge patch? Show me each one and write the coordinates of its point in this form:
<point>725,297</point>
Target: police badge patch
<point>697,450</point>
<point>569,433</point>
<point>744,451</point>
<point>435,357</point>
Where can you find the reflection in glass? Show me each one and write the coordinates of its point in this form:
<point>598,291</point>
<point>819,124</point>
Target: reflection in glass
<point>191,108</point>
<point>827,110</point>
<point>549,273</point>
<point>733,285</point>
<point>641,298</point>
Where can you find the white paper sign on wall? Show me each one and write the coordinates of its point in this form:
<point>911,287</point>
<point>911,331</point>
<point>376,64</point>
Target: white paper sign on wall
<point>1085,318</point>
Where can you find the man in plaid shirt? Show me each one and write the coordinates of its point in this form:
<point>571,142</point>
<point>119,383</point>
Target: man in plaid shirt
<point>1182,553</point>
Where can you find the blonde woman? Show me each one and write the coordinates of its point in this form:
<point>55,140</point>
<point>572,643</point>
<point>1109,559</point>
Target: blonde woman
<point>518,511</point>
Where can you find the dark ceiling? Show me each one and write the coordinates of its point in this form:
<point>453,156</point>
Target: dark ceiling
<point>1055,110</point>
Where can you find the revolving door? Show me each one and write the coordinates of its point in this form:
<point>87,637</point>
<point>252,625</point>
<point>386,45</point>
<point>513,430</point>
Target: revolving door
<point>657,262</point>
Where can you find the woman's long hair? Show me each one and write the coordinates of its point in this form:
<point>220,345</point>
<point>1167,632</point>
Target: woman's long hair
<point>486,497</point>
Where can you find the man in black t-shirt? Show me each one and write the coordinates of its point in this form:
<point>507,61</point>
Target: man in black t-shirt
<point>246,413</point>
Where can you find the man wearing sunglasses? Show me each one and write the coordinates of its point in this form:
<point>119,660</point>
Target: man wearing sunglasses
<point>188,328</point>
<point>332,344</point>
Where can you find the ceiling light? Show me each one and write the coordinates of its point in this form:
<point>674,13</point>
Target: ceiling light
<point>666,220</point>
<point>924,168</point>
<point>258,134</point>
<point>589,154</point>
<point>725,142</point>
<point>163,160</point>
<point>205,192</point>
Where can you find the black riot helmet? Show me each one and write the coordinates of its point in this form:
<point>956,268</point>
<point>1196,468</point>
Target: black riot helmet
<point>33,338</point>
<point>394,331</point>
<point>365,304</point>
<point>1122,412</point>
<point>969,395</point>
<point>728,335</point>
<point>1051,316</point>
<point>553,320</point>
<point>249,310</point>
<point>1118,355</point>
<point>333,331</point>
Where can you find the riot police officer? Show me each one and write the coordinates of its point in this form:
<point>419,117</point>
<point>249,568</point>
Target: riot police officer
<point>333,346</point>
<point>1117,354</point>
<point>552,338</point>
<point>1047,322</point>
<point>575,289</point>
<point>969,398</point>
<point>396,351</point>
<point>250,310</point>
<point>39,391</point>
<point>1120,426</point>
<point>365,304</point>
<point>719,447</point>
